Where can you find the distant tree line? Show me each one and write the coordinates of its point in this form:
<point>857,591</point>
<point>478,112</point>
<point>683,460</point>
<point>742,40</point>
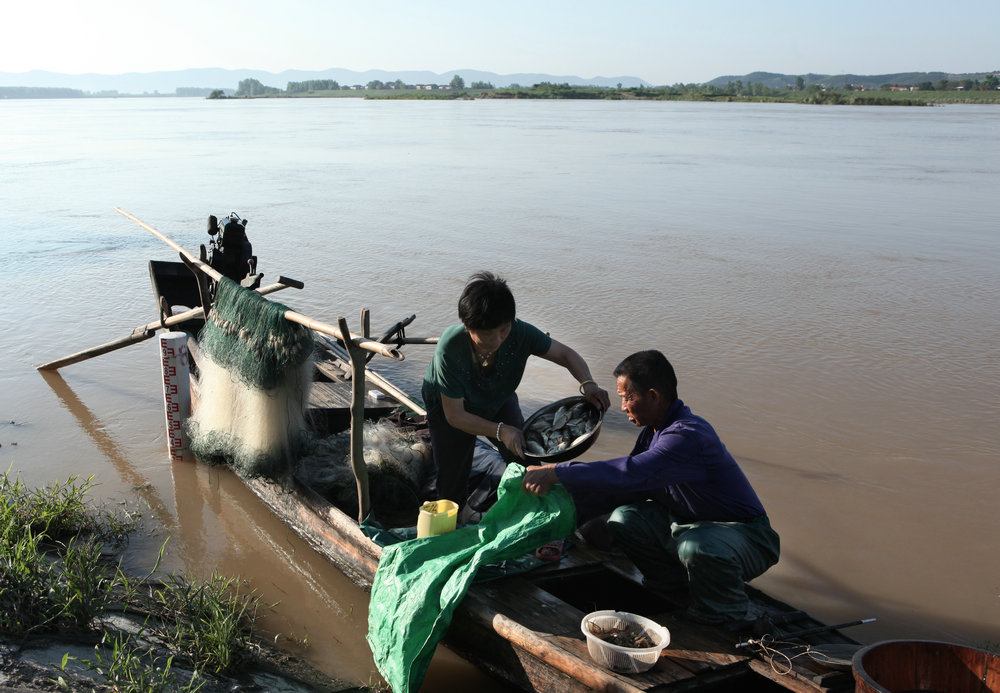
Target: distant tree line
<point>194,91</point>
<point>734,90</point>
<point>398,84</point>
<point>312,85</point>
<point>987,83</point>
<point>548,90</point>
<point>39,93</point>
<point>253,87</point>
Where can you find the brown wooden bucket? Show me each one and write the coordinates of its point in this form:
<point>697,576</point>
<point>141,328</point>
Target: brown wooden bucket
<point>909,666</point>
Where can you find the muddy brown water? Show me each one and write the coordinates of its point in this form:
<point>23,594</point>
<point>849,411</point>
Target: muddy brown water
<point>824,280</point>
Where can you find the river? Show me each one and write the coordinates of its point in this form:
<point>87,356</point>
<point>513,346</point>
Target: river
<point>824,280</point>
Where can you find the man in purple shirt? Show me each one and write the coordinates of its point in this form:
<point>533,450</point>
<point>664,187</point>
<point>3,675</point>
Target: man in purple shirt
<point>683,511</point>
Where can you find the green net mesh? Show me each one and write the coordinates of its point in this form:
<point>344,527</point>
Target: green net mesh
<point>249,335</point>
<point>255,369</point>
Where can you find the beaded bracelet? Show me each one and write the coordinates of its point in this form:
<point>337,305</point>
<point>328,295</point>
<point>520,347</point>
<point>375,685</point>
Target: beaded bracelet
<point>585,383</point>
<point>499,424</point>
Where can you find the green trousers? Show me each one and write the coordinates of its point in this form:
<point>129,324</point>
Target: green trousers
<point>713,559</point>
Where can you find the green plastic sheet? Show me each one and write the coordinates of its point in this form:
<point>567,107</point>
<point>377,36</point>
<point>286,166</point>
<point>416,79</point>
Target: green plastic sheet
<point>420,582</point>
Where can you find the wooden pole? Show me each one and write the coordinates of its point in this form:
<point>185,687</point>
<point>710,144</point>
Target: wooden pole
<point>417,340</point>
<point>290,315</point>
<point>144,332</point>
<point>357,356</point>
<point>811,631</point>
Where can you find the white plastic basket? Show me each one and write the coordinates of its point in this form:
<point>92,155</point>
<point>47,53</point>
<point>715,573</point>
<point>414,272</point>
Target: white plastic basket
<point>625,660</point>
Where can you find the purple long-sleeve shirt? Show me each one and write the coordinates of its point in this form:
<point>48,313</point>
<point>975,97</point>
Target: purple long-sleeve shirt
<point>682,465</point>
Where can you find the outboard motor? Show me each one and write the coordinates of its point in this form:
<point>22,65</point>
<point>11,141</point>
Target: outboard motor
<point>230,252</point>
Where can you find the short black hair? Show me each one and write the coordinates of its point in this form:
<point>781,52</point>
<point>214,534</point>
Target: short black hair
<point>486,302</point>
<point>649,370</point>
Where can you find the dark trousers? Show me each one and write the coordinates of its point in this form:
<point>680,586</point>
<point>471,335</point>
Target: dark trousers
<point>714,559</point>
<point>452,450</point>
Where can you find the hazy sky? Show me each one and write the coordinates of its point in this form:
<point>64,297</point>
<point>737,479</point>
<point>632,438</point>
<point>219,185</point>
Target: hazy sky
<point>663,42</point>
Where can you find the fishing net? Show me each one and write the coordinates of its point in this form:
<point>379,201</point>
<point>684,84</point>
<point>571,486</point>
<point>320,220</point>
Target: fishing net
<point>397,462</point>
<point>250,335</point>
<point>255,369</point>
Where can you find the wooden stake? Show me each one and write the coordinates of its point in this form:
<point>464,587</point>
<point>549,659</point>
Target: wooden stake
<point>357,357</point>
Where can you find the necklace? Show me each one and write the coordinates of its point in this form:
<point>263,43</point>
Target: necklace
<point>484,361</point>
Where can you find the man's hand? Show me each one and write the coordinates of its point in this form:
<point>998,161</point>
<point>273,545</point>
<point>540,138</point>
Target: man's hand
<point>538,480</point>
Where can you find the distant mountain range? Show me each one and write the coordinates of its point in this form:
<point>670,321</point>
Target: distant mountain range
<point>779,81</point>
<point>218,78</point>
<point>193,81</point>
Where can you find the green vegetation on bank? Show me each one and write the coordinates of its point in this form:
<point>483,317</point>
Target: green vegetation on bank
<point>924,94</point>
<point>60,575</point>
<point>37,593</point>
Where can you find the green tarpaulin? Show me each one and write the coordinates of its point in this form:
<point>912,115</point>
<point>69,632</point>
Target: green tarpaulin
<point>419,583</point>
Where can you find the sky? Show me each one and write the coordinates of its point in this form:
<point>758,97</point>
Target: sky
<point>660,41</point>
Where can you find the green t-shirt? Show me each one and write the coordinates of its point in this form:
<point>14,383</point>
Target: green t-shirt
<point>453,373</point>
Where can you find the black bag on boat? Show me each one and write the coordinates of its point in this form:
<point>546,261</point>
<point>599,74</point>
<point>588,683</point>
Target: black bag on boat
<point>230,250</point>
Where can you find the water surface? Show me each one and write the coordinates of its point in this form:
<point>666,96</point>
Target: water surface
<point>823,279</point>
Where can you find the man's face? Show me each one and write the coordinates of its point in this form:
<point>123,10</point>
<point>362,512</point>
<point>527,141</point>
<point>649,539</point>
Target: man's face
<point>639,407</point>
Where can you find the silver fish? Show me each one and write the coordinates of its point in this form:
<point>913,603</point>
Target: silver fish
<point>560,418</point>
<point>566,428</point>
<point>534,448</point>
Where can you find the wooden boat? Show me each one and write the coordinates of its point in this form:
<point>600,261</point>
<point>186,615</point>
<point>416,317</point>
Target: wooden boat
<point>526,629</point>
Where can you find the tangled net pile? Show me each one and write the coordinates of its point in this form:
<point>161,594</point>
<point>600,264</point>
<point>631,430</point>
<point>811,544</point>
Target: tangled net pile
<point>397,463</point>
<point>255,371</point>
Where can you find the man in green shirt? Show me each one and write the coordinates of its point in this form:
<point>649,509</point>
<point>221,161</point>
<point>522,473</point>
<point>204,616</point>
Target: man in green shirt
<point>469,387</point>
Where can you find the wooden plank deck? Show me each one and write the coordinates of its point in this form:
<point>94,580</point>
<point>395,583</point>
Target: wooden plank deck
<point>551,601</point>
<point>699,656</point>
<point>329,401</point>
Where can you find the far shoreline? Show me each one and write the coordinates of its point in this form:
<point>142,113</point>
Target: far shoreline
<point>545,91</point>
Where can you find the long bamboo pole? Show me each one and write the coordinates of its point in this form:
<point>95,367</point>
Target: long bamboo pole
<point>144,332</point>
<point>290,315</point>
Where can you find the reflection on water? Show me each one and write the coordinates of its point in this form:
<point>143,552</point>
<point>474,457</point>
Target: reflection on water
<point>824,280</point>
<point>91,425</point>
<point>218,525</point>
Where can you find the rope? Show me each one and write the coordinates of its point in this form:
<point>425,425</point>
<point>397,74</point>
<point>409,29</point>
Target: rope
<point>779,660</point>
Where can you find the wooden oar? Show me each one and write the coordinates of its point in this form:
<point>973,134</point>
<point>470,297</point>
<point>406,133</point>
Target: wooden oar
<point>290,315</point>
<point>144,332</point>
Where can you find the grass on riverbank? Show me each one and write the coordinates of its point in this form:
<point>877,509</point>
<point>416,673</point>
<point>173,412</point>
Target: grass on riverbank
<point>51,548</point>
<point>60,576</point>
